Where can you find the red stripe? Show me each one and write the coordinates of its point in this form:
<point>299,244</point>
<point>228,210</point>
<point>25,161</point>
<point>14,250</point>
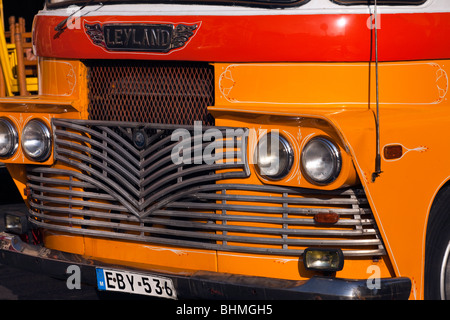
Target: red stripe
<point>271,38</point>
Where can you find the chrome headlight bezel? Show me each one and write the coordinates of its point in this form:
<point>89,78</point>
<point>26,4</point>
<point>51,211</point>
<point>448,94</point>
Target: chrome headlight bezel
<point>285,157</point>
<point>326,173</point>
<point>11,131</point>
<point>36,132</point>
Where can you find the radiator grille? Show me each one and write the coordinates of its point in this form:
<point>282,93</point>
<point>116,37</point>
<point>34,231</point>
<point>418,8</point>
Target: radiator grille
<point>152,92</point>
<point>105,187</point>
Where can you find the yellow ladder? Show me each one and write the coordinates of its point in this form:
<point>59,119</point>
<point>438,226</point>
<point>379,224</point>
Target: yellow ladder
<point>12,61</point>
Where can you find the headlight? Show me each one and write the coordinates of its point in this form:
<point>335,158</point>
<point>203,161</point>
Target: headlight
<point>273,157</point>
<point>36,140</point>
<point>9,139</point>
<point>321,161</point>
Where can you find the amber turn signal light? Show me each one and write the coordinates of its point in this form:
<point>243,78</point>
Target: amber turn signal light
<point>326,217</point>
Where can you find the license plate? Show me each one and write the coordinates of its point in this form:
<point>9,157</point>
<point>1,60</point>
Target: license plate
<point>137,283</point>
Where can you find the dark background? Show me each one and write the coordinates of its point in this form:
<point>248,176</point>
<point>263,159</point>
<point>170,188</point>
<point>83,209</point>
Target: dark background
<point>22,8</point>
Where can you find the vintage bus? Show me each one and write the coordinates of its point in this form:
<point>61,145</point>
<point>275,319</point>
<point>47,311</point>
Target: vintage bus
<point>236,149</point>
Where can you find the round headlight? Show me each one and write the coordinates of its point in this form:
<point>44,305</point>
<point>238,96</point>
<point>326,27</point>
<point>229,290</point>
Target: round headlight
<point>321,161</point>
<point>273,156</point>
<point>36,140</point>
<point>9,139</point>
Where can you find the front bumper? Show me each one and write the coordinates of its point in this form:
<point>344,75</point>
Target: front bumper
<point>201,284</point>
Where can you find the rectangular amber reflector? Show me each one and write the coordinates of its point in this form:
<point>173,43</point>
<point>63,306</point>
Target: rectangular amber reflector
<point>393,152</point>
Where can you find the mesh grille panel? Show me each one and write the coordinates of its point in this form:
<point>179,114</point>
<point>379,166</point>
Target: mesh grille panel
<point>151,92</point>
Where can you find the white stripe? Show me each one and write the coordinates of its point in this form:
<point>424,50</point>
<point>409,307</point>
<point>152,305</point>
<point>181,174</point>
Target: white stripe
<point>311,8</point>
